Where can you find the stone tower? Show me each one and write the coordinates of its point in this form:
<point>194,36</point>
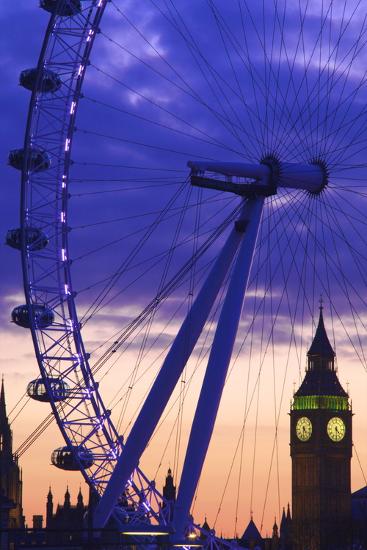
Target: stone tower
<point>49,508</point>
<point>321,451</point>
<point>10,473</point>
<point>169,490</point>
<point>169,493</point>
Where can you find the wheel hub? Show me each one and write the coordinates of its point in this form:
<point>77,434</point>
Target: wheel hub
<point>269,175</point>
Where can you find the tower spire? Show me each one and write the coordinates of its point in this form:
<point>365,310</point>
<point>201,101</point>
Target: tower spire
<point>2,402</point>
<point>49,508</point>
<point>321,378</point>
<point>80,502</point>
<point>67,498</point>
<point>321,347</point>
<point>5,431</point>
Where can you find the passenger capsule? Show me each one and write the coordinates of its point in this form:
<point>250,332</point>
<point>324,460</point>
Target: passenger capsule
<point>68,8</point>
<point>49,82</point>
<point>37,390</point>
<point>70,458</point>
<point>35,238</point>
<point>39,160</point>
<point>42,315</point>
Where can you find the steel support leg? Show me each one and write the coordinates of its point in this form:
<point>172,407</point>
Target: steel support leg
<point>216,371</point>
<point>167,379</point>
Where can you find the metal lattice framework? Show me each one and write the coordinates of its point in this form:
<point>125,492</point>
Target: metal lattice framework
<point>82,417</point>
<point>92,441</point>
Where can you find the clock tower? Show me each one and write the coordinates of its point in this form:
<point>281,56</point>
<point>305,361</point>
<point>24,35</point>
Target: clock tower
<point>321,451</point>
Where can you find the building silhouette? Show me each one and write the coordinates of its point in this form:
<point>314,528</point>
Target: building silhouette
<point>10,474</point>
<point>359,518</point>
<point>67,521</point>
<point>321,451</point>
<point>251,538</point>
<point>285,530</point>
<point>169,493</point>
<point>169,489</point>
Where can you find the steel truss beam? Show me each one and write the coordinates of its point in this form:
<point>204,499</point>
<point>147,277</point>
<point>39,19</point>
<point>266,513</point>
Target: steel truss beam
<point>242,240</point>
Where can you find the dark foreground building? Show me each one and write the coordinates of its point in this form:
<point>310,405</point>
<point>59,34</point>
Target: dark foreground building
<point>65,524</point>
<point>10,474</point>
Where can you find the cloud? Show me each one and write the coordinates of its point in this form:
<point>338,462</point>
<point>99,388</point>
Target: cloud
<point>188,97</point>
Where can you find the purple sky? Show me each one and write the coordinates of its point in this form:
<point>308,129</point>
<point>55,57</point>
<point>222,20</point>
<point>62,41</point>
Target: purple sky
<point>167,86</point>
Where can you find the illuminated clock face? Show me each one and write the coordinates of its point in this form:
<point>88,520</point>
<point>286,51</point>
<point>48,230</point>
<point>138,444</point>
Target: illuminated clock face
<point>336,429</point>
<point>304,428</point>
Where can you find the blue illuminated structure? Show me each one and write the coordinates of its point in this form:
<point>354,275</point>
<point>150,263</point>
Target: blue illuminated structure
<point>92,442</point>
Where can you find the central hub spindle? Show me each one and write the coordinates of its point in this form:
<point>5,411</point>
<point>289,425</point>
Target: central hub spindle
<point>269,175</point>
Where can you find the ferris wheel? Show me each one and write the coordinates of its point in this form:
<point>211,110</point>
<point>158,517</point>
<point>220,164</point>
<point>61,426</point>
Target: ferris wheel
<point>210,189</point>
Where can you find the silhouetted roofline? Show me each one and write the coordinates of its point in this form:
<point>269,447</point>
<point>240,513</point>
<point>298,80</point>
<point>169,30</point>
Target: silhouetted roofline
<point>251,532</point>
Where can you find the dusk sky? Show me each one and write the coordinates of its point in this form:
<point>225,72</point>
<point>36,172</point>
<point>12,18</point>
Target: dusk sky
<point>197,80</point>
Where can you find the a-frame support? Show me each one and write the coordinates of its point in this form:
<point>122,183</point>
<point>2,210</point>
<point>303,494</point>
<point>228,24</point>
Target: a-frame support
<point>216,372</point>
<point>170,372</point>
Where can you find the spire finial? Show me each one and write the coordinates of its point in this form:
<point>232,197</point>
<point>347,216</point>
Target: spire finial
<point>80,497</point>
<point>67,497</point>
<point>321,302</point>
<point>2,400</point>
<point>320,345</point>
